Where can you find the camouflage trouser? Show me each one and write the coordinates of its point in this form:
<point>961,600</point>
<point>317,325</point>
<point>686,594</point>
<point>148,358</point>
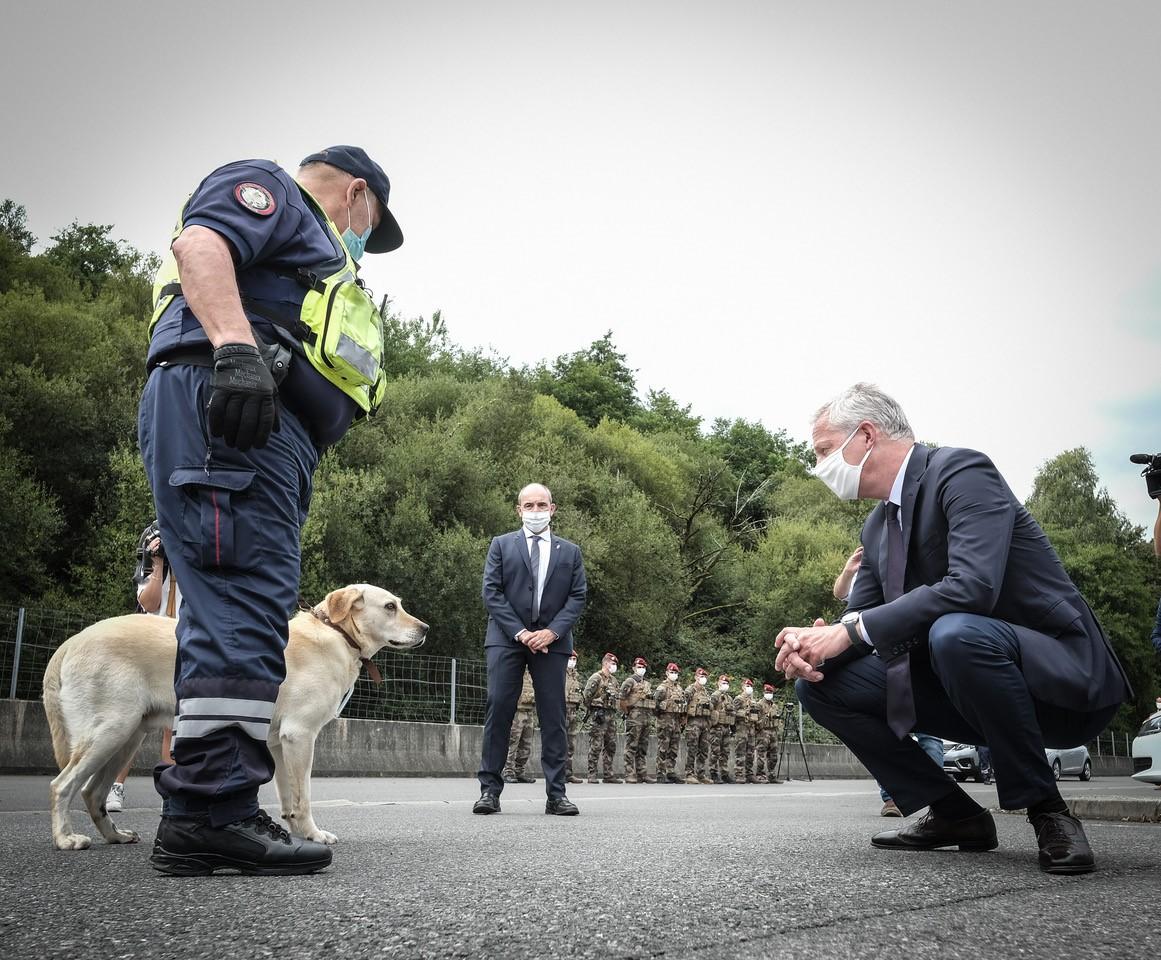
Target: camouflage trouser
<point>637,742</point>
<point>572,725</point>
<point>696,745</point>
<point>668,738</point>
<point>766,753</point>
<point>720,738</point>
<point>519,743</point>
<point>602,741</point>
<point>745,740</point>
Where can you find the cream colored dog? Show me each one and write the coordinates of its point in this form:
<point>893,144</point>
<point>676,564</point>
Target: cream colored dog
<point>109,685</point>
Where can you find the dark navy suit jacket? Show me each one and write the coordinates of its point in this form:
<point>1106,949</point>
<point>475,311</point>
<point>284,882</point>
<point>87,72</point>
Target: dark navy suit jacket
<point>972,547</point>
<point>508,591</point>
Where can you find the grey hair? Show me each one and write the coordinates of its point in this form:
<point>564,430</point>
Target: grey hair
<point>529,486</point>
<point>865,401</point>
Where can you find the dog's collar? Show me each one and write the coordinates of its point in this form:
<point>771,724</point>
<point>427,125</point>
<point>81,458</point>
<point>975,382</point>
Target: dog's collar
<point>372,670</point>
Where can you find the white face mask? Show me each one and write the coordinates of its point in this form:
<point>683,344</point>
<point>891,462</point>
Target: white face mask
<point>536,521</point>
<point>571,664</point>
<point>612,668</point>
<point>702,680</point>
<point>769,696</point>
<point>840,476</point>
<point>640,671</point>
<point>748,691</point>
<point>723,686</point>
<point>672,676</point>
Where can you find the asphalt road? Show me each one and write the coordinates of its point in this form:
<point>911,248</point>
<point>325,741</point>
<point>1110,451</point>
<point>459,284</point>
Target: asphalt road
<point>645,871</point>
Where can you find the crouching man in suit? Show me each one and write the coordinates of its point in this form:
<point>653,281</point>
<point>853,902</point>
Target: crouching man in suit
<point>963,624</point>
<point>534,589</point>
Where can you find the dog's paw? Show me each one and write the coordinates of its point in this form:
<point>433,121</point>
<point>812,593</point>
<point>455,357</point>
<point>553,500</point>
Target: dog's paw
<point>125,836</point>
<point>322,836</point>
<point>73,841</point>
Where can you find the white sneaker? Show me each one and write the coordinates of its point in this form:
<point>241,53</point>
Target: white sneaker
<point>115,801</point>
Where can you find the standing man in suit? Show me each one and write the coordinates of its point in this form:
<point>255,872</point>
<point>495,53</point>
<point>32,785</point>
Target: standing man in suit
<point>534,589</point>
<point>978,636</point>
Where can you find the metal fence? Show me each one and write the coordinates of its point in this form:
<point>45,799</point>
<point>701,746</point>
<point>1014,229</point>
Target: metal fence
<point>415,688</point>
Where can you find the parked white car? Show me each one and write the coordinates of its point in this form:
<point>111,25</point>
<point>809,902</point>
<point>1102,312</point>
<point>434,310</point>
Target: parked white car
<point>1147,751</point>
<point>1074,762</point>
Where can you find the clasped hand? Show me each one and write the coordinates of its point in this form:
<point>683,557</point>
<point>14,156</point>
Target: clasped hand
<point>801,650</point>
<point>537,641</point>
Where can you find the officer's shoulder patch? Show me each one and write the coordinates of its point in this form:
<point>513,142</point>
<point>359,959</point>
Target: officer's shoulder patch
<point>255,198</point>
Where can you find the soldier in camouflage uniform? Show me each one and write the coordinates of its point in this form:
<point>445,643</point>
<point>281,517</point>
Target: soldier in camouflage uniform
<point>721,733</point>
<point>637,705</point>
<point>769,736</point>
<point>697,713</point>
<point>747,713</point>
<point>572,702</point>
<point>520,739</point>
<point>600,696</point>
<point>670,700</point>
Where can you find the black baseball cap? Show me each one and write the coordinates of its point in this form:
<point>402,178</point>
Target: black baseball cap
<point>354,160</point>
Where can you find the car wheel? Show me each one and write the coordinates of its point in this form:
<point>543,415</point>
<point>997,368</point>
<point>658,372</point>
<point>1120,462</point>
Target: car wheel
<point>1055,769</point>
<point>1086,772</point>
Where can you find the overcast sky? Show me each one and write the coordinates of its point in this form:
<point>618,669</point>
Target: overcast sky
<point>763,201</point>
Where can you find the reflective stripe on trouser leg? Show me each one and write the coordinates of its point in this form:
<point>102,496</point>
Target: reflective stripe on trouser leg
<point>230,525</point>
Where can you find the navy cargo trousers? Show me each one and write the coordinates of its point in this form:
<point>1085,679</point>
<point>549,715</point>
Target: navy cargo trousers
<point>230,525</point>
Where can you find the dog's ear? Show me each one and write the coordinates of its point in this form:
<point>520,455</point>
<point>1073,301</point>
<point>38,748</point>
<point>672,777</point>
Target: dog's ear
<point>339,603</point>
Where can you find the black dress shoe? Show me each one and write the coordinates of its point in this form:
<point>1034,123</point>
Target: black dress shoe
<point>932,832</point>
<point>257,846</point>
<point>1063,846</point>
<point>524,778</point>
<point>488,803</point>
<point>561,807</point>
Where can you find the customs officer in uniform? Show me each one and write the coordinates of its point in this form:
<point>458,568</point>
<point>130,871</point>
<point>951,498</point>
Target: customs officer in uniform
<point>264,347</point>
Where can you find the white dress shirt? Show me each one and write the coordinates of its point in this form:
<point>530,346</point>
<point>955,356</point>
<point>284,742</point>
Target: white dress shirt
<point>545,538</point>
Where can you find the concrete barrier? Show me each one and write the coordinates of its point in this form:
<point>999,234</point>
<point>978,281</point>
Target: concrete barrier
<point>382,748</point>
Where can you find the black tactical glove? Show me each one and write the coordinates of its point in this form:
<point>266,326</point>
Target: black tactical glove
<point>243,398</point>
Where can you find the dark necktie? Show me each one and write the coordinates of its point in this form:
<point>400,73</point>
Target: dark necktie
<point>535,579</point>
<point>900,699</point>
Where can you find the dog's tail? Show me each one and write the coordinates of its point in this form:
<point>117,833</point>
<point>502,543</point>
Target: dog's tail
<point>61,748</point>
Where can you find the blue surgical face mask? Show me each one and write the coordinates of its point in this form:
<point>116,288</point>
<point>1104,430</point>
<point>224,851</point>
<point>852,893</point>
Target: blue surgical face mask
<point>354,243</point>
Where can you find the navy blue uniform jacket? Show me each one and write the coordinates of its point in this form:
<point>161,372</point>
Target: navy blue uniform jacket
<point>972,547</point>
<point>508,591</point>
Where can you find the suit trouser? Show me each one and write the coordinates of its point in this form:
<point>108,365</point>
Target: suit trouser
<point>230,525</point>
<point>969,689</point>
<point>506,666</point>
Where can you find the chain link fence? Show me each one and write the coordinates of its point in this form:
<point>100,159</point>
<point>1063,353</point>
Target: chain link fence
<point>415,688</point>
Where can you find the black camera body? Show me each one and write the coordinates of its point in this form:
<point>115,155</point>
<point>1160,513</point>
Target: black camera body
<point>1151,473</point>
<point>144,555</point>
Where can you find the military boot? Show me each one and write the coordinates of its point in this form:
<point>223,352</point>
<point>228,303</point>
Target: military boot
<point>630,778</point>
<point>760,778</point>
<point>645,778</point>
<point>673,778</point>
<point>752,779</point>
<point>613,780</point>
<point>714,778</point>
<point>706,780</point>
<point>692,778</point>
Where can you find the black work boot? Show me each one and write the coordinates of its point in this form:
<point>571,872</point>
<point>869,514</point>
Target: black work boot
<point>259,846</point>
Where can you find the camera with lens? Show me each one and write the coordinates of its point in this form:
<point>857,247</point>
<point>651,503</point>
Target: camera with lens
<point>145,555</point>
<point>1151,473</point>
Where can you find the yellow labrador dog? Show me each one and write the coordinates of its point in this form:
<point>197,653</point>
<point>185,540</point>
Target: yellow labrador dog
<point>109,685</point>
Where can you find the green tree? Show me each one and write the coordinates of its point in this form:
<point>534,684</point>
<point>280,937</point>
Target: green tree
<point>595,382</point>
<point>14,226</point>
<point>1107,558</point>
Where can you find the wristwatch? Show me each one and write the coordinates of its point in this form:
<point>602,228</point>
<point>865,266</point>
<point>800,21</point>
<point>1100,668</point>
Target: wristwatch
<point>851,622</point>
